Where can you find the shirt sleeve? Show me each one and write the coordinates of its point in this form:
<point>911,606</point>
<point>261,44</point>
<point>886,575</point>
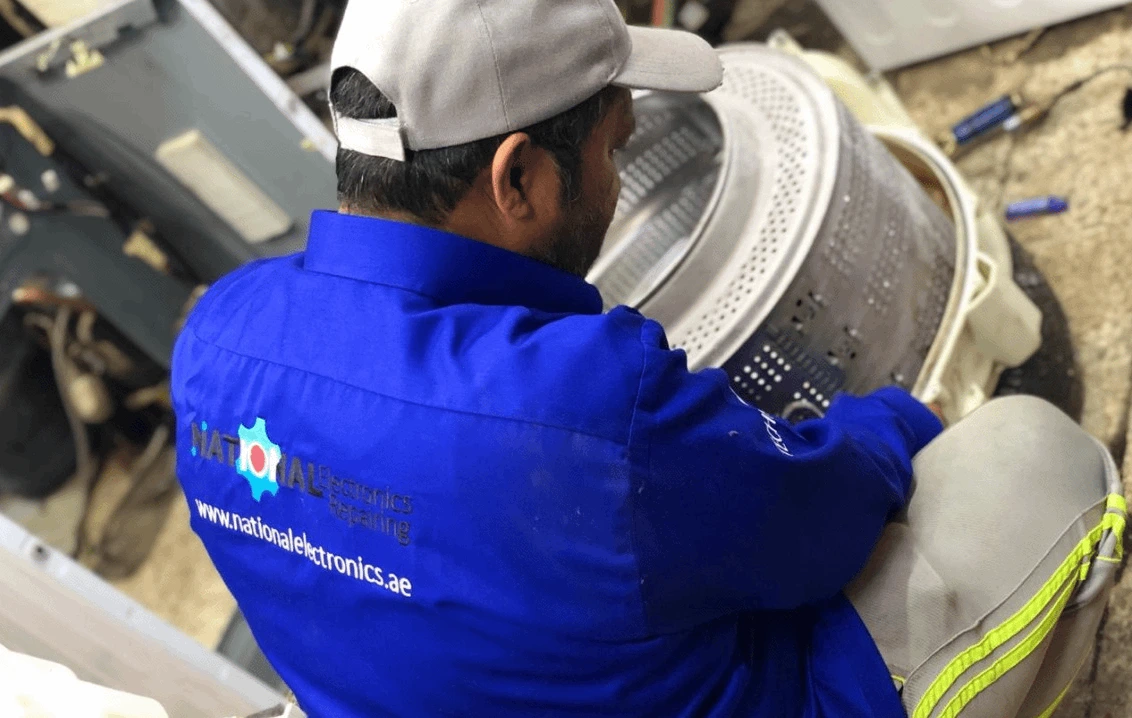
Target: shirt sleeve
<point>736,510</point>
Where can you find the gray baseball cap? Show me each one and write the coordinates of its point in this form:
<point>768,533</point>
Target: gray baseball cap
<point>464,70</point>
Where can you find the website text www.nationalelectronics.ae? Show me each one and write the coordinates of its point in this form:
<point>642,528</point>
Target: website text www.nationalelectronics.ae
<point>299,544</point>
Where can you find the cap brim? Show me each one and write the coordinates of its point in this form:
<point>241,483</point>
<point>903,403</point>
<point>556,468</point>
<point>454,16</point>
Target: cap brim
<point>670,60</point>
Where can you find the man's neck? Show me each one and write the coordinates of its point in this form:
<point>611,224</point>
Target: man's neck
<point>464,220</point>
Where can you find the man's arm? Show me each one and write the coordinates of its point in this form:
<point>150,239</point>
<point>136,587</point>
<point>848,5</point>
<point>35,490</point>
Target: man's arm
<point>736,510</point>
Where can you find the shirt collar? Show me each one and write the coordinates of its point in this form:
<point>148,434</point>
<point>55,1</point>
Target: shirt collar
<point>447,267</point>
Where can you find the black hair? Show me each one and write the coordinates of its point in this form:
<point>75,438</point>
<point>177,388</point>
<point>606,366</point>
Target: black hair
<point>430,183</point>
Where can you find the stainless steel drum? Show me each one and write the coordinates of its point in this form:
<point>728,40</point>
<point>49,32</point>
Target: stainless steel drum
<point>771,235</point>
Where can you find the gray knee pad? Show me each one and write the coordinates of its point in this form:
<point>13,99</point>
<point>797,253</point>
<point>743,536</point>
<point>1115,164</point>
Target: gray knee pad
<point>1008,546</point>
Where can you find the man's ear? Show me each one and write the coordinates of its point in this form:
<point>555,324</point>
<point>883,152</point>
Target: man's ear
<point>512,177</point>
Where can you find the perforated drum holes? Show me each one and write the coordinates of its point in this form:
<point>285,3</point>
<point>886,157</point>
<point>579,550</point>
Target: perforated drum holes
<point>658,242</point>
<point>794,138</point>
<point>888,254</point>
<point>669,172</point>
<point>857,260</point>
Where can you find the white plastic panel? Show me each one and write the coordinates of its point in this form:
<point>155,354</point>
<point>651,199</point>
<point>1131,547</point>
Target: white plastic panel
<point>891,33</point>
<point>54,13</point>
<point>221,185</point>
<point>34,688</point>
<point>54,609</point>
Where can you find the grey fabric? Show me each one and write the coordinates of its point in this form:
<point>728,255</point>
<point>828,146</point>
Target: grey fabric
<point>1000,501</point>
<point>1069,650</point>
<point>1074,634</point>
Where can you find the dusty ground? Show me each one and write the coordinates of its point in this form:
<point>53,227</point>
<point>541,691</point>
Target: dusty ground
<point>177,581</point>
<point>204,608</point>
<point>1079,152</point>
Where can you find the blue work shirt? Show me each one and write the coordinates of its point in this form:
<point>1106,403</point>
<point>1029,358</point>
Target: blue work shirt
<point>440,481</point>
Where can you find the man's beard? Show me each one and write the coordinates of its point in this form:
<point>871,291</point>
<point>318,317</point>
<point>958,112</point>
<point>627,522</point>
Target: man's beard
<point>575,246</point>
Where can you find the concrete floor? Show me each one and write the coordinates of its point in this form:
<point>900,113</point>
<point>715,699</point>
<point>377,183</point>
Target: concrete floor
<point>1079,151</point>
<point>201,606</point>
<point>178,559</point>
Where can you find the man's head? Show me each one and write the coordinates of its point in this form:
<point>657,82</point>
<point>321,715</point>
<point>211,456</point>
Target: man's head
<point>498,119</point>
<point>548,191</point>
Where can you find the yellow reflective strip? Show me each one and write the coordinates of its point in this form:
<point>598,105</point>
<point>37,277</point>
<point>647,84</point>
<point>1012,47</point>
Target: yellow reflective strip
<point>1108,559</point>
<point>1011,658</point>
<point>1117,502</point>
<point>1013,625</point>
<point>898,679</point>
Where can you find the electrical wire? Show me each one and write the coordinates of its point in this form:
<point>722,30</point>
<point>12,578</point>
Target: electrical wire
<point>11,197</point>
<point>1013,55</point>
<point>131,531</point>
<point>117,553</point>
<point>305,25</point>
<point>81,208</point>
<point>1081,82</point>
<point>663,13</point>
<point>87,464</point>
<point>17,21</point>
<point>1035,112</point>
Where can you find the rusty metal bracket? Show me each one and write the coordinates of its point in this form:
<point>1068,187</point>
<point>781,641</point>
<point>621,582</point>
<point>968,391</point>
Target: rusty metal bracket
<point>79,44</point>
<point>28,128</point>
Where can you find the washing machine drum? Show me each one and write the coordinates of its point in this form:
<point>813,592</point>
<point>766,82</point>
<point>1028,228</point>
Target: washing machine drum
<point>773,236</point>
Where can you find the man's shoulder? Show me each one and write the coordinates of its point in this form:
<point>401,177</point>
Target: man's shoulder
<point>577,372</point>
<point>614,332</point>
<point>234,289</point>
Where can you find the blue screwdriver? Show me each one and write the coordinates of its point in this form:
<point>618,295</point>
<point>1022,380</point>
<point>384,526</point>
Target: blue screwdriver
<point>1036,206</point>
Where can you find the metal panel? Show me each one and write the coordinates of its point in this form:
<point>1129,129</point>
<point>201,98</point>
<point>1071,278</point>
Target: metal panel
<point>239,646</point>
<point>142,303</point>
<point>821,267</point>
<point>99,29</point>
<point>52,608</point>
<point>263,76</point>
<point>173,66</point>
<point>891,33</point>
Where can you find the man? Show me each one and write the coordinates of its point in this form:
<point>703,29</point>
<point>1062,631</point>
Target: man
<point>440,481</point>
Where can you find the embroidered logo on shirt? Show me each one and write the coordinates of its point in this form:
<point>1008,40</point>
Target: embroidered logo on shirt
<point>259,459</point>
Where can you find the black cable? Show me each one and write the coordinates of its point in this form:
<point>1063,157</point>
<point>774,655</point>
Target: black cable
<point>1034,113</point>
<point>306,22</point>
<point>80,208</point>
<point>19,20</point>
<point>1081,82</point>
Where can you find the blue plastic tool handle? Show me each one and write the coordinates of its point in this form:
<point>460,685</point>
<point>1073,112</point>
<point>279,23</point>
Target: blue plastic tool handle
<point>985,118</point>
<point>1036,206</point>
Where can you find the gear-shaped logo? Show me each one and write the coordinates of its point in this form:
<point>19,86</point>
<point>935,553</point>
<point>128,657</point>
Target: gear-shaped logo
<point>259,459</point>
